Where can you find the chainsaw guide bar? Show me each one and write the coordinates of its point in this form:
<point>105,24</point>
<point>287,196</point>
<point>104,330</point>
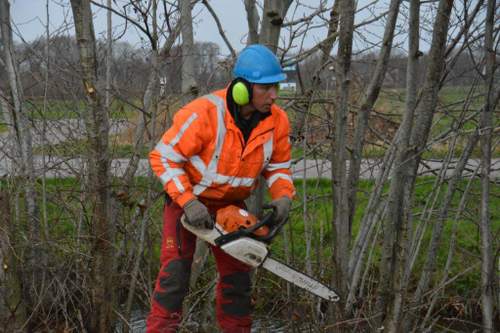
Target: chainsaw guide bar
<point>251,248</point>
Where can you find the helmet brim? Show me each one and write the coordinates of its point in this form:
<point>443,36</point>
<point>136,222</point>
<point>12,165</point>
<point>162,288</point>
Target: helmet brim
<point>270,79</point>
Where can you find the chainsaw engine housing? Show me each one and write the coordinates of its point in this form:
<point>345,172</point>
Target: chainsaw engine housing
<point>247,250</point>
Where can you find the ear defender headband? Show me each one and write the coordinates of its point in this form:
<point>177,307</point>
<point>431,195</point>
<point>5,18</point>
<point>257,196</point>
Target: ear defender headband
<point>242,91</point>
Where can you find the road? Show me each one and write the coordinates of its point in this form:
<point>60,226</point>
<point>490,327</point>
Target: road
<point>60,167</point>
<point>61,130</point>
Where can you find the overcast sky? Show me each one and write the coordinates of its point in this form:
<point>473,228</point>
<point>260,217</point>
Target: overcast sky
<point>29,17</point>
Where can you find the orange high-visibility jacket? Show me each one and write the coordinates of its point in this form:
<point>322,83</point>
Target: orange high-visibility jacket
<point>204,154</point>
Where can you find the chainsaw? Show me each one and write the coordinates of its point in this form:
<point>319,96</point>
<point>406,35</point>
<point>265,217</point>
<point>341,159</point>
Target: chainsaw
<point>241,235</point>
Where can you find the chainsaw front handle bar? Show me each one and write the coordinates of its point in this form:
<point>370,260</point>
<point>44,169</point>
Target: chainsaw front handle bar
<point>267,220</point>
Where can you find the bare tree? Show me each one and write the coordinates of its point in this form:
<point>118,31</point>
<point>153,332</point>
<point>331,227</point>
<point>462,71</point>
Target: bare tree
<point>488,280</point>
<point>109,54</point>
<point>339,154</point>
<point>409,147</point>
<point>189,87</point>
<point>253,21</point>
<point>99,191</point>
<point>146,128</point>
<point>11,315</point>
<point>23,139</point>
<point>273,16</point>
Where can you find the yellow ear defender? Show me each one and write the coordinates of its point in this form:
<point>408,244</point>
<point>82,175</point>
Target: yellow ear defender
<point>241,92</point>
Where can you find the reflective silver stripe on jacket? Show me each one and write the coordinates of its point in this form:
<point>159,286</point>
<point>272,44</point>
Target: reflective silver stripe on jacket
<point>210,173</point>
<point>276,166</point>
<point>276,176</point>
<point>167,153</point>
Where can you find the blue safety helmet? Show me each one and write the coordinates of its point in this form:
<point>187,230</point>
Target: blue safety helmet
<point>257,64</point>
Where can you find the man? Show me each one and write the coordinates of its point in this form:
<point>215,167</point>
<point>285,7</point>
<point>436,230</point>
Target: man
<point>211,157</point>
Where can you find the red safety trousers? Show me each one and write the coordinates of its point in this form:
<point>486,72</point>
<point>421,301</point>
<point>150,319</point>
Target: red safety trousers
<point>233,293</point>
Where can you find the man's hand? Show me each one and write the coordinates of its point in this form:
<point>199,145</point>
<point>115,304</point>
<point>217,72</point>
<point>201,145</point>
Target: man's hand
<point>281,209</point>
<point>197,215</point>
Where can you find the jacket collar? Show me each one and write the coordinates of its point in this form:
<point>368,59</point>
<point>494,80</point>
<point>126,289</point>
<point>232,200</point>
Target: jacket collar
<point>265,124</point>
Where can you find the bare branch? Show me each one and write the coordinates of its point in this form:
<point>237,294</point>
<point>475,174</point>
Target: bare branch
<point>307,18</point>
<point>328,38</point>
<point>124,16</point>
<point>219,26</point>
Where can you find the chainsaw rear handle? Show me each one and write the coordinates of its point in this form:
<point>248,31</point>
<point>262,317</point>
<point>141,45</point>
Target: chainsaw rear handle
<point>267,220</point>
<point>273,228</point>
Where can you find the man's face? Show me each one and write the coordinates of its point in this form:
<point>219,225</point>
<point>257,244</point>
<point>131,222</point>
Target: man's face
<point>264,96</point>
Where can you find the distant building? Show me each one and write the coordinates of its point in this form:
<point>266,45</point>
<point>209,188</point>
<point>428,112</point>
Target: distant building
<point>289,86</point>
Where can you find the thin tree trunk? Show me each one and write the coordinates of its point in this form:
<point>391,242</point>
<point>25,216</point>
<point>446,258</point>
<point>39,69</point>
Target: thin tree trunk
<point>190,90</point>
<point>253,22</point>
<point>451,251</point>
<point>306,221</point>
<point>431,258</point>
<point>486,123</point>
<point>189,87</point>
<point>391,292</point>
<point>340,188</point>
<point>6,114</point>
<point>373,212</point>
<point>32,272</point>
<point>144,218</point>
<point>44,126</point>
<point>327,44</point>
<point>97,132</point>
<point>11,275</point>
<point>5,267</point>
<point>109,55</point>
<point>11,316</point>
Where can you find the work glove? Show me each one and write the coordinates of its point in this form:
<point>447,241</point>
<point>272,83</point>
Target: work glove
<point>281,209</point>
<point>197,215</point>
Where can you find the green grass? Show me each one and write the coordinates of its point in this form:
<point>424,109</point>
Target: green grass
<point>391,102</point>
<point>452,100</point>
<point>319,208</point>
<point>65,205</point>
<point>65,219</point>
<point>125,151</point>
<point>3,126</point>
